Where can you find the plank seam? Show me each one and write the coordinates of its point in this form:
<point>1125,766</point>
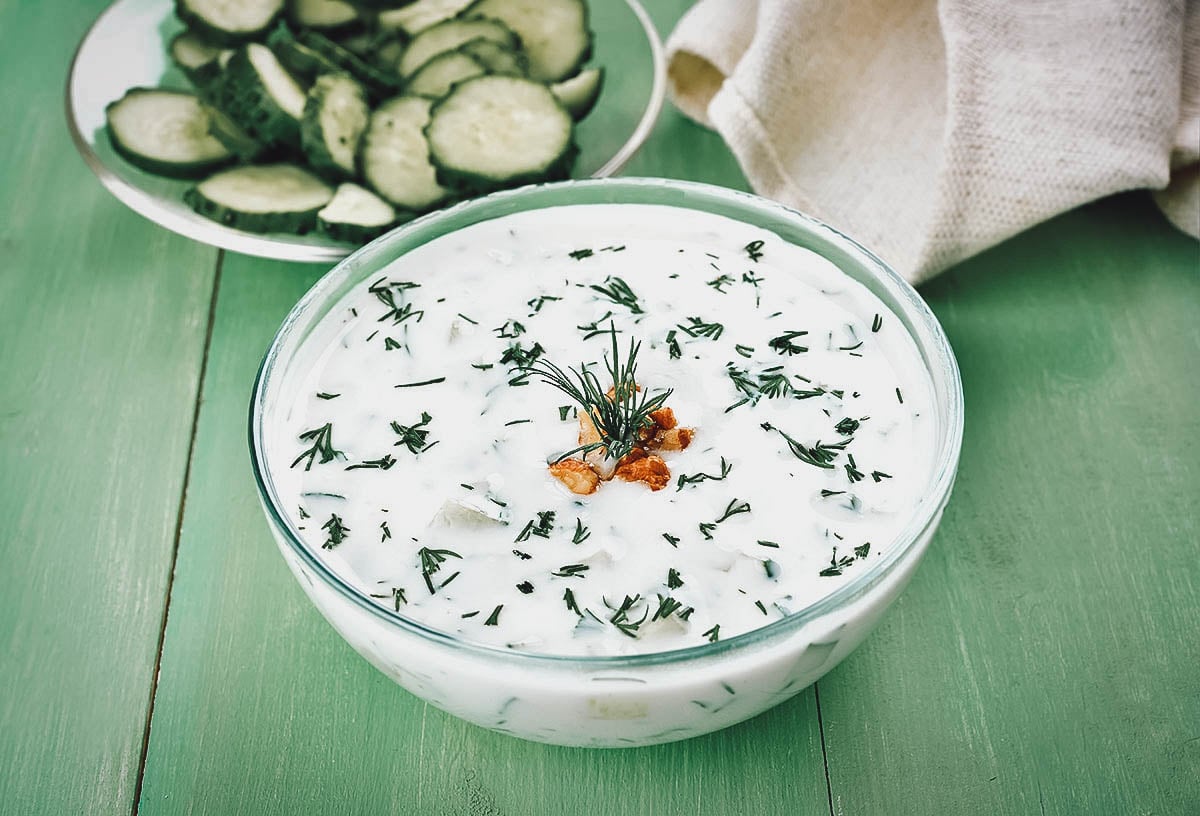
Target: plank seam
<point>824,753</point>
<point>187,476</point>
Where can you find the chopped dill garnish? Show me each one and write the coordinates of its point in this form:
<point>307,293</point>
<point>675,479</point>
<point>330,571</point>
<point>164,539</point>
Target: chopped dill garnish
<point>620,618</point>
<point>666,607</point>
<point>899,396</point>
<point>877,323</point>
<point>784,345</point>
<point>699,328</point>
<point>673,350</point>
<point>765,543</point>
<point>469,320</point>
<point>510,329</point>
<point>525,587</point>
<point>713,634</point>
<point>685,480</point>
<point>434,381</point>
<point>322,445</point>
<point>382,463</point>
<point>325,396</point>
<point>524,556</point>
<point>571,571</point>
<point>517,422</point>
<point>540,527</point>
<point>863,549</point>
<point>431,562</point>
<point>336,530</point>
<point>538,302</point>
<point>847,426</point>
<point>774,384</point>
<point>879,475</point>
<point>494,618</point>
<point>818,455</point>
<point>745,351</point>
<point>825,494</point>
<point>580,254</point>
<point>398,597</point>
<point>672,540</point>
<point>754,250</point>
<point>720,282</point>
<point>391,344</point>
<point>594,329</point>
<point>760,606</point>
<point>673,579</point>
<point>413,436</point>
<point>618,291</point>
<point>852,471</point>
<point>836,565</point>
<point>569,598</point>
<point>387,531</point>
<point>581,533</point>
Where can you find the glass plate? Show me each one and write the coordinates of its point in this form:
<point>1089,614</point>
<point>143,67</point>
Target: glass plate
<point>127,47</point>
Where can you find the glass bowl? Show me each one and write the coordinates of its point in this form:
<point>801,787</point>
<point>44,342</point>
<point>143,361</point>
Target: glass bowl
<point>127,47</point>
<point>621,700</point>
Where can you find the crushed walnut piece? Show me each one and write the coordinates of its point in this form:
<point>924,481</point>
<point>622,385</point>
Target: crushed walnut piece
<point>642,464</point>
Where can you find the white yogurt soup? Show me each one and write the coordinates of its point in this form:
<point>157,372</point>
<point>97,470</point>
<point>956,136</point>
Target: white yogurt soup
<point>605,429</point>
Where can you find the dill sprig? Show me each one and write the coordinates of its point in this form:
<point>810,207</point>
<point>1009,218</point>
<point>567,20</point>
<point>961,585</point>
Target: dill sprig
<point>819,454</point>
<point>784,345</point>
<point>618,418</point>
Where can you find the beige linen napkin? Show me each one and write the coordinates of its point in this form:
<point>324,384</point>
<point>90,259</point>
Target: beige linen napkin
<point>932,130</point>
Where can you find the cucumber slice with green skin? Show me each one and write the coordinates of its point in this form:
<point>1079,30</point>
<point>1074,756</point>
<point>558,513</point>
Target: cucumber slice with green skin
<point>450,35</point>
<point>497,58</point>
<point>579,93</point>
<point>379,83</point>
<point>554,33</point>
<point>379,48</point>
<point>335,117</point>
<point>416,17</point>
<point>355,215</point>
<point>190,52</point>
<point>229,22</point>
<point>496,131</point>
<point>326,16</point>
<point>165,132</point>
<point>435,78</point>
<point>261,97</point>
<point>236,140</point>
<point>394,157</point>
<point>262,198</point>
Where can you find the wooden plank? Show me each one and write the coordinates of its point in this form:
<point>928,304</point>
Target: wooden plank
<point>102,327</point>
<point>1045,658</point>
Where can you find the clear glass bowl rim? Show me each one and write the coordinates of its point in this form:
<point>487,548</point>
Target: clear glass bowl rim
<point>277,247</point>
<point>943,370</point>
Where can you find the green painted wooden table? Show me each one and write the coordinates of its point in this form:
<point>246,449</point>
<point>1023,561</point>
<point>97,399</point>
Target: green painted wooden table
<point>156,656</point>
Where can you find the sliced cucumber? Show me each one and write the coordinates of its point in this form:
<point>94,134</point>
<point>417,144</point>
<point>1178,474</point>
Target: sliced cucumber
<point>414,18</point>
<point>379,48</point>
<point>435,78</point>
<point>335,117</point>
<point>229,22</point>
<point>165,132</point>
<point>497,131</point>
<point>237,140</point>
<point>303,62</point>
<point>448,36</point>
<point>326,16</point>
<point>394,157</point>
<point>579,93</point>
<point>496,58</point>
<point>198,59</point>
<point>260,96</point>
<point>379,83</point>
<point>189,52</point>
<point>355,215</point>
<point>554,33</point>
<point>262,198</point>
